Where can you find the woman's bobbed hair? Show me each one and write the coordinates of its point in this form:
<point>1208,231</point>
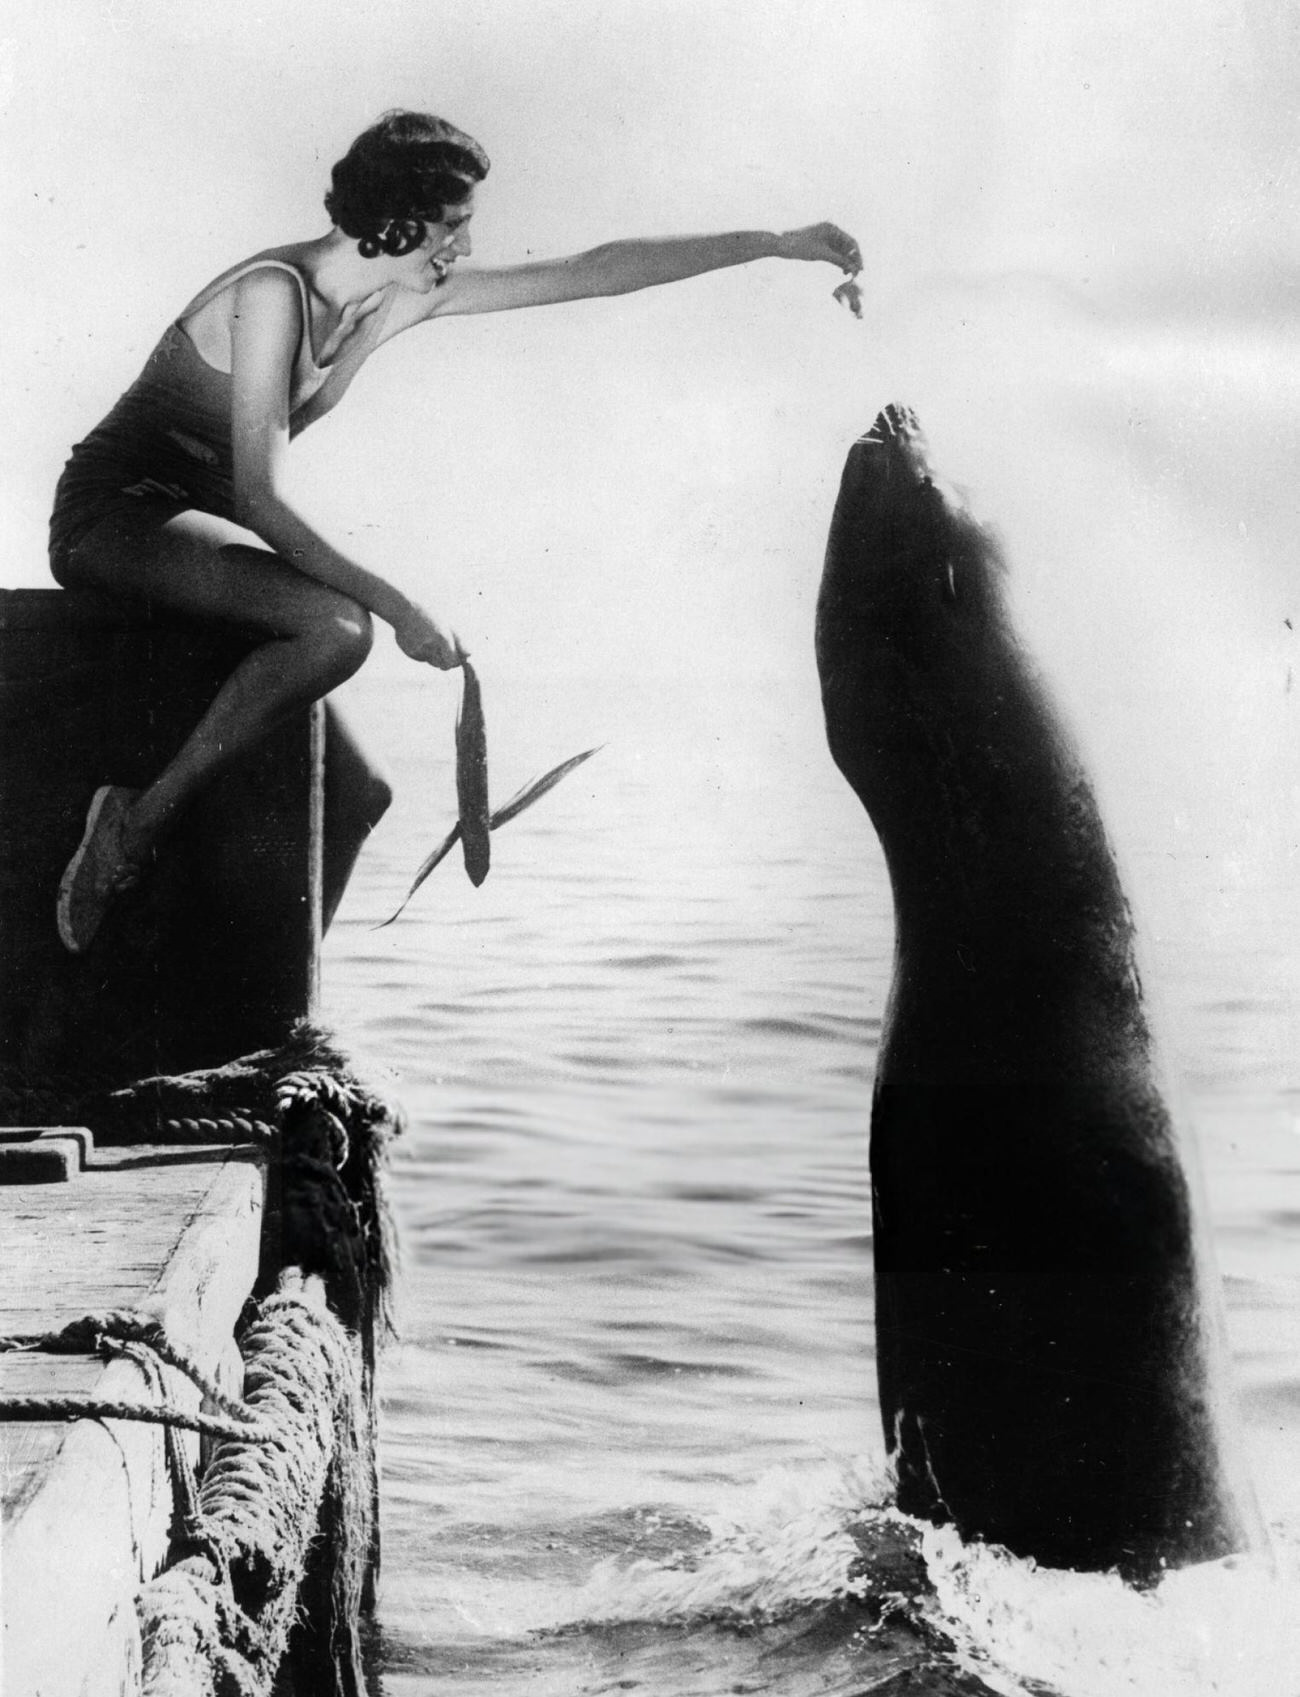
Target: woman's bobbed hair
<point>398,177</point>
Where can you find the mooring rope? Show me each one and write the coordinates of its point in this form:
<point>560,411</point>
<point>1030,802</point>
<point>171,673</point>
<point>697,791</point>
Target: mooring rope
<point>231,1128</point>
<point>188,1523</point>
<point>68,1407</point>
<point>142,1340</point>
<point>93,1332</point>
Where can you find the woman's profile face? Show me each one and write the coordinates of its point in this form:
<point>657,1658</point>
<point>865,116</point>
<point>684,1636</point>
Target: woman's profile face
<point>425,267</point>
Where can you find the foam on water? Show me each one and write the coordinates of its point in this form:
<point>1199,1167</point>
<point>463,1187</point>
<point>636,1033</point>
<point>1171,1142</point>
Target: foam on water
<point>782,1544</point>
<point>1220,1629</point>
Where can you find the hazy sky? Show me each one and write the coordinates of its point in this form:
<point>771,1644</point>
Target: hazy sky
<point>1081,230</point>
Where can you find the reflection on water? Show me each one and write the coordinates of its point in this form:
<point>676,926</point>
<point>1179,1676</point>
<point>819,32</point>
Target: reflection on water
<point>630,1430</point>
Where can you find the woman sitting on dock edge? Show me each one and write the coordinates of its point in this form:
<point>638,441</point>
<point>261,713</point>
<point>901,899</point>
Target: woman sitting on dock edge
<point>178,497</point>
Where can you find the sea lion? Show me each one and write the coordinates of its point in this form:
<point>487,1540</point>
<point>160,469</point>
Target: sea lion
<point>1044,1372</point>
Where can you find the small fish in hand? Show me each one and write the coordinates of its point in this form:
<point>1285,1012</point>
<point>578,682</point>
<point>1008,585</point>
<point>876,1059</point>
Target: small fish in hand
<point>471,776</point>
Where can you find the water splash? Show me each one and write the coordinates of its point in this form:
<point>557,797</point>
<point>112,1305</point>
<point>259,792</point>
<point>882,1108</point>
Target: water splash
<point>1220,1629</point>
<point>783,1543</point>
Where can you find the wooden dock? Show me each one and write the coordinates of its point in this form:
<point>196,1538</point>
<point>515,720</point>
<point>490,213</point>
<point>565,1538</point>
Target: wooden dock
<point>212,961</point>
<point>88,1504</point>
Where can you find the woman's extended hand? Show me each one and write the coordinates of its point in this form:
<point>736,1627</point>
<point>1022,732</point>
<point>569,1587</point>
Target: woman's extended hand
<point>826,242</point>
<point>425,640</point>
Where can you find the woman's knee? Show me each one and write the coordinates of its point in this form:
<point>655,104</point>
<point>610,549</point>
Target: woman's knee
<point>344,637</point>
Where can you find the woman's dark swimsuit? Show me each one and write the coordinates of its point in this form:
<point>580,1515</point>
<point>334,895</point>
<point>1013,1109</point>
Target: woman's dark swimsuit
<point>167,441</point>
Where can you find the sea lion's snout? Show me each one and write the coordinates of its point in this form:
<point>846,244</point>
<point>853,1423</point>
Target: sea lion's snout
<point>889,460</point>
<point>898,539</point>
<point>904,544</point>
<point>888,481</point>
<point>894,425</point>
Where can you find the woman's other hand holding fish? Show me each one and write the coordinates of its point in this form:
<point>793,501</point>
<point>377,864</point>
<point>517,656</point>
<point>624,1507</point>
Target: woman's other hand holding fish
<point>423,639</point>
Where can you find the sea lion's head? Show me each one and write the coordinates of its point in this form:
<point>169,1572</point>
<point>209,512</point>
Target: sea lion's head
<point>911,598</point>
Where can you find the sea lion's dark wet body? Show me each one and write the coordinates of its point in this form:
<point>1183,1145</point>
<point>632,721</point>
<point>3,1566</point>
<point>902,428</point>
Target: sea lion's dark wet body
<point>1042,1371</point>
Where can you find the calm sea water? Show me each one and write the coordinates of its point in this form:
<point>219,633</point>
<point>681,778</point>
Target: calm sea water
<point>632,1417</point>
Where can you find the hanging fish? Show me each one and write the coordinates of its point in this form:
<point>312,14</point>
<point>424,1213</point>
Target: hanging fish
<point>524,798</point>
<point>472,778</point>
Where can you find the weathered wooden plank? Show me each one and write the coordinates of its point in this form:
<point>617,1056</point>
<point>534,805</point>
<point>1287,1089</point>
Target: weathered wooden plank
<point>67,1254</point>
<point>30,1448</point>
<point>87,1504</point>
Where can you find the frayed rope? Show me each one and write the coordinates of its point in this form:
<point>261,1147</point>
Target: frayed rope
<point>222,1618</point>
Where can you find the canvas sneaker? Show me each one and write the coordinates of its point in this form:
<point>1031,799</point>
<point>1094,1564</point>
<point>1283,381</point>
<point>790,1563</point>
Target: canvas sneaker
<point>98,871</point>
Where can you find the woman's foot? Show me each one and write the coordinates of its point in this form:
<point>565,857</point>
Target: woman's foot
<point>99,870</point>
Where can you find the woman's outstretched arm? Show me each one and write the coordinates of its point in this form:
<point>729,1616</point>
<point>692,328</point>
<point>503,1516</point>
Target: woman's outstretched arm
<point>618,268</point>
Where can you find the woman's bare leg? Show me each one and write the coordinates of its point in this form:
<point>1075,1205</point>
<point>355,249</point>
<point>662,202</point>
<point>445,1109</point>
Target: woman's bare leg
<point>208,568</point>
